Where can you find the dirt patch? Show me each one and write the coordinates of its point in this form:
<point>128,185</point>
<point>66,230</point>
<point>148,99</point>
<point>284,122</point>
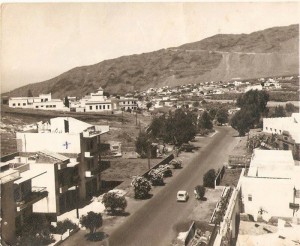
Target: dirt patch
<point>231,177</point>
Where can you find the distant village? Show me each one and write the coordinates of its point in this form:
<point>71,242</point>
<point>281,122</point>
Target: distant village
<point>151,99</point>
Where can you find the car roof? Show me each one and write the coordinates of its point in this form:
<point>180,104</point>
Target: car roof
<point>181,191</point>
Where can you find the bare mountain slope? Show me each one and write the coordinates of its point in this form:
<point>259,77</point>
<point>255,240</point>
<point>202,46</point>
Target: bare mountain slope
<point>270,52</point>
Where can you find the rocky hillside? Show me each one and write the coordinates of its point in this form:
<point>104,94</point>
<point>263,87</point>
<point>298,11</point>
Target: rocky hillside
<point>270,52</point>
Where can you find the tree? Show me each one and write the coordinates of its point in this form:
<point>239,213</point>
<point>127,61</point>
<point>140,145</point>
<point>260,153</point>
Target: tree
<point>105,93</point>
<point>200,190</point>
<point>279,112</point>
<point>209,178</point>
<point>222,116</point>
<point>205,121</point>
<point>29,93</point>
<point>253,106</point>
<point>113,202</point>
<point>149,105</point>
<point>35,231</point>
<point>242,121</point>
<point>142,144</point>
<point>290,108</point>
<point>156,178</point>
<point>212,113</point>
<point>157,127</point>
<point>196,104</point>
<point>67,102</point>
<point>141,187</point>
<point>91,221</point>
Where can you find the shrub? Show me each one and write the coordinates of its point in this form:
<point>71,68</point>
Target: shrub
<point>91,221</point>
<point>63,226</point>
<point>141,187</point>
<point>114,202</point>
<point>200,191</point>
<point>209,178</point>
<point>156,177</point>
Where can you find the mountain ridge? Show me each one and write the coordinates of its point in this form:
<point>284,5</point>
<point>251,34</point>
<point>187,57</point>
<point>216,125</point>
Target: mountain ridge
<point>270,52</point>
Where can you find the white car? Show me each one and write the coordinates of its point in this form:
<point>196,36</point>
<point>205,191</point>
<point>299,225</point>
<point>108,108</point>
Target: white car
<point>182,196</point>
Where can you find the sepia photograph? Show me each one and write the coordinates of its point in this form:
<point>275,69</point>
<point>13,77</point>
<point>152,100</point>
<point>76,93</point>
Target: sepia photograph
<point>150,123</point>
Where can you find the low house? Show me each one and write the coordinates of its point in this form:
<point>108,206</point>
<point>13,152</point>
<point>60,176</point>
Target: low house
<point>43,101</point>
<point>272,186</point>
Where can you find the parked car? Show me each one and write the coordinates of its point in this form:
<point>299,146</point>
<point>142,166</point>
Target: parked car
<point>182,196</point>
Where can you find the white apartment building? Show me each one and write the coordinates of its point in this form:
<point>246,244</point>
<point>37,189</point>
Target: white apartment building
<point>73,139</point>
<point>272,185</point>
<point>43,101</point>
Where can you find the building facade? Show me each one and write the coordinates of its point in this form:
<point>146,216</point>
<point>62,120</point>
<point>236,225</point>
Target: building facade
<point>74,139</point>
<point>43,101</point>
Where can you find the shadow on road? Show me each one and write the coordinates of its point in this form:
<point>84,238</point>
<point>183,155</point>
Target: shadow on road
<point>97,236</point>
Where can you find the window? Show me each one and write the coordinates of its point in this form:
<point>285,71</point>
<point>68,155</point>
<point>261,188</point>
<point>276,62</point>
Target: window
<point>107,106</point>
<point>36,106</point>
<point>47,106</point>
<point>96,106</point>
<point>54,106</point>
<point>100,107</point>
<point>250,198</point>
<point>91,107</point>
<point>42,100</point>
<point>14,104</point>
<point>103,106</point>
<point>24,104</point>
<point>19,104</point>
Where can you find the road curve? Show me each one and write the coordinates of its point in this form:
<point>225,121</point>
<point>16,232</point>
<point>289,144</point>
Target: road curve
<point>153,224</point>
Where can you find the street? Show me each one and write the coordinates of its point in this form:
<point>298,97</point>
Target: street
<point>153,224</point>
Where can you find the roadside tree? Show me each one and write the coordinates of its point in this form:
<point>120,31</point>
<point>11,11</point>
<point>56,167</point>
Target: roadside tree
<point>200,191</point>
<point>222,115</point>
<point>141,187</point>
<point>114,203</point>
<point>209,178</point>
<point>91,221</point>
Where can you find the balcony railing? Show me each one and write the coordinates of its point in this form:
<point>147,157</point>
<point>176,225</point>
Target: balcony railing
<point>34,196</point>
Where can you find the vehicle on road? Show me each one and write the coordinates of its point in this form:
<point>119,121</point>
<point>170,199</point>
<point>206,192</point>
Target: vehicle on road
<point>182,196</point>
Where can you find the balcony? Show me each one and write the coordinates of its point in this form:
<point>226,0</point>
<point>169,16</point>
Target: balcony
<point>88,154</point>
<point>88,174</point>
<point>91,133</point>
<point>37,194</point>
<point>63,189</point>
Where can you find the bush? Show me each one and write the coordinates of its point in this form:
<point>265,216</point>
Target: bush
<point>113,202</point>
<point>141,187</point>
<point>63,226</point>
<point>209,178</point>
<point>91,221</point>
<point>200,190</point>
<point>35,231</point>
<point>156,178</point>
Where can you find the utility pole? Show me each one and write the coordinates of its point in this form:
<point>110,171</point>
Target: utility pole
<point>135,118</point>
<point>149,156</point>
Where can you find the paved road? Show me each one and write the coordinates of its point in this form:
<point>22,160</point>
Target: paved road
<point>153,224</point>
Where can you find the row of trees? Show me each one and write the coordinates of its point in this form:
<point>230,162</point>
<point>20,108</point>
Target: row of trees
<point>176,128</point>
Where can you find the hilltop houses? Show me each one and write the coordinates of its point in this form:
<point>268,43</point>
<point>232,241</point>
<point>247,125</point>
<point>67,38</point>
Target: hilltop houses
<point>43,101</point>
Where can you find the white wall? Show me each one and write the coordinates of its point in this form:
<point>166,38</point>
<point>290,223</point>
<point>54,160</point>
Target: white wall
<point>273,195</point>
<point>46,205</point>
<point>75,126</point>
<point>55,142</point>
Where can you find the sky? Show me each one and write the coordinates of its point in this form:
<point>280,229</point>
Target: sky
<point>42,40</point>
